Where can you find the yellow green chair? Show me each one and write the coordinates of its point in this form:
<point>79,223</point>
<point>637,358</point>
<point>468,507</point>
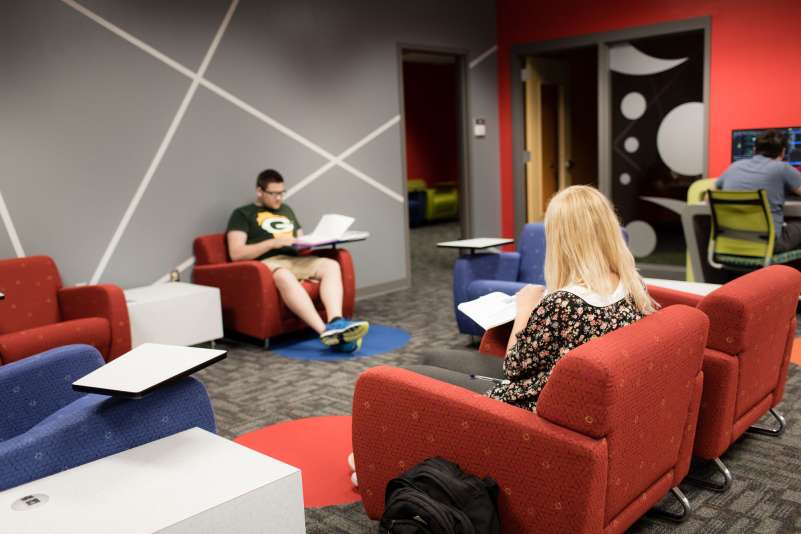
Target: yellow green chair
<point>743,236</point>
<point>696,194</point>
<point>442,202</point>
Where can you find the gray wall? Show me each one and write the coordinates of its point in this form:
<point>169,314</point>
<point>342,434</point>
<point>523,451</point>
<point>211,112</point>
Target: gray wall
<point>85,115</point>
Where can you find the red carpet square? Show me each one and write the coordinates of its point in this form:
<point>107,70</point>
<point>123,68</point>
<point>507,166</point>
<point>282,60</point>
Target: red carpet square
<point>319,447</point>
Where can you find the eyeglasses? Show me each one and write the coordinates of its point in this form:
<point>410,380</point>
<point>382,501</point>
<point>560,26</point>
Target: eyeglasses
<point>274,194</point>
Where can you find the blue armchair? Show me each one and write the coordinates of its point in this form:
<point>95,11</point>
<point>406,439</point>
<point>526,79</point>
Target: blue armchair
<point>46,427</point>
<point>478,274</point>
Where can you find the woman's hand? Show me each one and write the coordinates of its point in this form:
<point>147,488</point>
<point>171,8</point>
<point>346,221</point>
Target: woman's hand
<point>528,297</point>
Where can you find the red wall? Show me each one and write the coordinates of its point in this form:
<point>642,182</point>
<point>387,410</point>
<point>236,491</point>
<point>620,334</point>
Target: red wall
<point>432,122</point>
<point>755,67</point>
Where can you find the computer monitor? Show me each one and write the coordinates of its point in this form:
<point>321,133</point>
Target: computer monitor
<point>742,144</point>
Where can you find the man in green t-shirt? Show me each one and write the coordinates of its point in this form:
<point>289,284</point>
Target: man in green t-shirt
<point>266,231</point>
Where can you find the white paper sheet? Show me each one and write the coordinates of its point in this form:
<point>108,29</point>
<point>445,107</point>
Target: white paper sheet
<point>330,228</point>
<point>490,310</point>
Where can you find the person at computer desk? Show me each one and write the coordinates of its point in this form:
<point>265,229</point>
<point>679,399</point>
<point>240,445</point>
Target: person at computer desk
<point>265,230</point>
<point>767,171</point>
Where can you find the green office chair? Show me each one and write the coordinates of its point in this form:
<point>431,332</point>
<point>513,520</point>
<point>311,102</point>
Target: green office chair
<point>743,235</point>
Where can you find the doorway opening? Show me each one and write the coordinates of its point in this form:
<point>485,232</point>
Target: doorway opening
<point>433,100</point>
<point>561,124</point>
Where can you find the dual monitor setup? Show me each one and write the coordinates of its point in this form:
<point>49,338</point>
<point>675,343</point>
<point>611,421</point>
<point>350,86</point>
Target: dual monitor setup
<point>742,144</point>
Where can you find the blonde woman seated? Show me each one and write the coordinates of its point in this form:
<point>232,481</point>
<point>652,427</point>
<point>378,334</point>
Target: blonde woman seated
<point>592,288</point>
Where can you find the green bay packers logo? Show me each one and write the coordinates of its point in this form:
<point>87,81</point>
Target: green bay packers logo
<point>277,225</point>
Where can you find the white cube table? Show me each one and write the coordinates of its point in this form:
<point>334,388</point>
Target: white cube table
<point>193,482</point>
<point>174,313</point>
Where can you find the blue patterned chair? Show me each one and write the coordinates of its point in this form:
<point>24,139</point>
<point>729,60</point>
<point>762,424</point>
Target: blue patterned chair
<point>476,275</point>
<point>46,427</point>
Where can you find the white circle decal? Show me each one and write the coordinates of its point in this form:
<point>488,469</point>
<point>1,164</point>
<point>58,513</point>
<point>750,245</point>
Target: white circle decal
<point>642,238</point>
<point>631,144</point>
<point>633,106</point>
<point>680,139</point>
<point>625,178</point>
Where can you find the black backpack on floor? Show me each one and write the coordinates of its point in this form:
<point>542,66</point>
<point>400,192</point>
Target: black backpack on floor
<point>436,497</point>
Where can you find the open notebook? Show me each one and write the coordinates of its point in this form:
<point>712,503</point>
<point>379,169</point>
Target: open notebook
<point>332,228</point>
<point>490,310</point>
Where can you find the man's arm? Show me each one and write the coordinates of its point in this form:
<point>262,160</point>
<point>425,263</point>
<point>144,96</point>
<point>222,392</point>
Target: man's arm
<point>239,251</point>
<point>792,179</point>
<point>526,299</point>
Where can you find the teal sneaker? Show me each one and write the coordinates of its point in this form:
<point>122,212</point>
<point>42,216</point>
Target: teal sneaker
<point>348,346</point>
<point>343,331</point>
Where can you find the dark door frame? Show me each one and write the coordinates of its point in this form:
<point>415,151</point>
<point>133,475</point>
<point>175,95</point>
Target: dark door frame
<point>460,55</point>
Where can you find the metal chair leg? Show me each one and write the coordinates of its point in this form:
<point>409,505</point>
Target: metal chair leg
<point>710,484</point>
<point>770,430</point>
<point>677,517</point>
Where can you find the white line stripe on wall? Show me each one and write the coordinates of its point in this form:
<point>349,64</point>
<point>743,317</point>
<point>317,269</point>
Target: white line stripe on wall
<point>247,108</point>
<point>310,178</point>
<point>184,265</point>
<point>473,64</point>
<point>359,174</point>
<point>12,232</point>
<point>369,137</point>
<point>335,160</point>
<point>165,143</point>
<point>130,38</point>
<point>338,160</point>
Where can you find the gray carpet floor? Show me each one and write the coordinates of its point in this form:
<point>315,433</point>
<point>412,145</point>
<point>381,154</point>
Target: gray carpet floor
<point>253,388</point>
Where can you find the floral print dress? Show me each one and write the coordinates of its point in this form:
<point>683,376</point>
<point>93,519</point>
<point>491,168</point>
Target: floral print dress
<point>562,321</point>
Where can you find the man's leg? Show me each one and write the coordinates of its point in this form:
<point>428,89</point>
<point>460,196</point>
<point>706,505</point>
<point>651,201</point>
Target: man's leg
<point>790,238</point>
<point>464,361</point>
<point>329,274</point>
<point>452,377</point>
<point>297,299</point>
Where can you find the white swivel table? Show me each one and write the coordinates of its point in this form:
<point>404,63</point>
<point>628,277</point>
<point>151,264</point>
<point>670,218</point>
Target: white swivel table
<point>176,313</point>
<point>193,482</point>
<point>141,370</point>
<point>476,243</point>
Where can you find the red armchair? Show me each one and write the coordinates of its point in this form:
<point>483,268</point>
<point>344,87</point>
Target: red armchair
<point>751,332</point>
<point>251,303</point>
<point>39,314</point>
<point>612,434</point>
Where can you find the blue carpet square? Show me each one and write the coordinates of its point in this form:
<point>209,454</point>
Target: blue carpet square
<point>379,340</point>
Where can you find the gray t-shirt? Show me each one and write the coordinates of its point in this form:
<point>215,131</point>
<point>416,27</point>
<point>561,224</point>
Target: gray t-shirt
<point>777,178</point>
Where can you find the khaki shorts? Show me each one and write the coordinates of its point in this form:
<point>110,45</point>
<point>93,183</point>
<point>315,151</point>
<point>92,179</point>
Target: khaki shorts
<point>303,267</point>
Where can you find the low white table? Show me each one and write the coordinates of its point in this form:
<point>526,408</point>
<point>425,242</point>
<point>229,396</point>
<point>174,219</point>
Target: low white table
<point>697,288</point>
<point>175,313</point>
<point>193,482</point>
<point>141,370</point>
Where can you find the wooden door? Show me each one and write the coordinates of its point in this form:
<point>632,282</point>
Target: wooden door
<point>547,97</point>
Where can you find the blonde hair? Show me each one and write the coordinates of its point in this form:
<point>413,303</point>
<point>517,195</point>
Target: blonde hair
<point>584,244</point>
